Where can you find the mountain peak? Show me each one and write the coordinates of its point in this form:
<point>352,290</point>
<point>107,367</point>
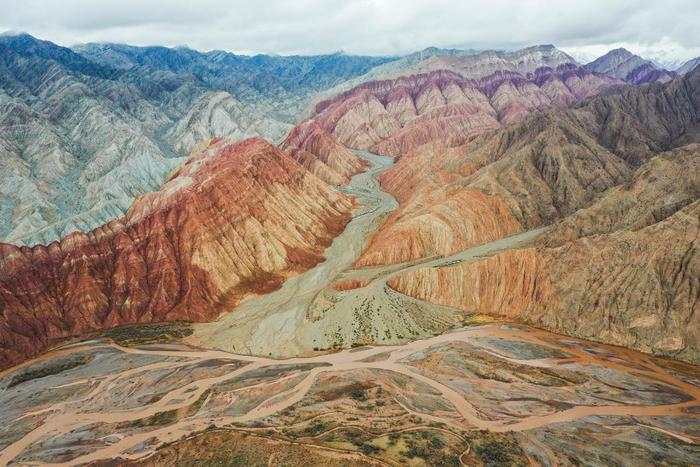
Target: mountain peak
<point>13,36</point>
<point>620,51</point>
<point>13,33</point>
<point>620,63</point>
<point>688,66</point>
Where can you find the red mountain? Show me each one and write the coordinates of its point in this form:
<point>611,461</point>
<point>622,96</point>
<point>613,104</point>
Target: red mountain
<point>235,219</point>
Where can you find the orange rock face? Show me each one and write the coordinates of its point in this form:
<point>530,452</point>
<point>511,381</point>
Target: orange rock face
<point>513,284</point>
<point>235,219</point>
<point>638,288</point>
<point>314,148</point>
<point>395,116</point>
<point>350,284</point>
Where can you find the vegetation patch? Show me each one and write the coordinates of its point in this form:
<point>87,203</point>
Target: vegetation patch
<point>429,446</point>
<point>487,366</point>
<point>342,390</point>
<point>230,448</point>
<point>475,319</point>
<point>497,449</point>
<point>49,368</point>
<point>140,334</point>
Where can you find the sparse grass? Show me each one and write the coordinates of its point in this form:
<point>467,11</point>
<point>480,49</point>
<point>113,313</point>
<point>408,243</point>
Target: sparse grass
<point>475,319</point>
<point>52,367</point>
<point>487,366</point>
<point>168,417</point>
<point>154,398</point>
<point>497,449</point>
<point>147,333</point>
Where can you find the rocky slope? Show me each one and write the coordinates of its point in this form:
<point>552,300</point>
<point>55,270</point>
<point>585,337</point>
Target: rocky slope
<point>84,134</point>
<point>530,174</point>
<point>658,189</point>
<point>220,115</point>
<point>470,64</point>
<point>321,154</point>
<point>278,86</point>
<point>394,116</point>
<point>688,66</point>
<point>621,265</point>
<point>235,219</point>
<point>623,64</point>
<point>72,158</point>
<point>635,288</point>
<point>480,65</point>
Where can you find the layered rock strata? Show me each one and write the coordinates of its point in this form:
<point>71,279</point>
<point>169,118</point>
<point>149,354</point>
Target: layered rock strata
<point>538,172</point>
<point>392,117</point>
<point>321,154</point>
<point>235,219</point>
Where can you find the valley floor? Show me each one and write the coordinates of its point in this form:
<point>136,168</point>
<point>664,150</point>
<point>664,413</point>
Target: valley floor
<point>313,311</point>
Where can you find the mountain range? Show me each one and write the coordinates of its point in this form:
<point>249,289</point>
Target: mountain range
<point>453,257</point>
<point>82,139</point>
<point>88,132</point>
<point>612,177</point>
<point>623,64</point>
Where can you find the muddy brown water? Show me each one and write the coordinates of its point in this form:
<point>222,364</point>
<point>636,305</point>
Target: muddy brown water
<point>67,416</point>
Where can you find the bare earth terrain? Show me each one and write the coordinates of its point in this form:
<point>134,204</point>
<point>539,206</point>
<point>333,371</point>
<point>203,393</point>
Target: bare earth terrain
<point>426,401</point>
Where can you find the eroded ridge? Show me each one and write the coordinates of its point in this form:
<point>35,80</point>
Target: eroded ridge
<point>498,377</point>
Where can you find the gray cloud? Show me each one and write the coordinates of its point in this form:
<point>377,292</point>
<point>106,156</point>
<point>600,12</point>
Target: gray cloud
<point>667,30</point>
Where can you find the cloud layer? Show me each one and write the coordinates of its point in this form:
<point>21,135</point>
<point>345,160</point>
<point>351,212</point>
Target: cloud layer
<point>665,30</point>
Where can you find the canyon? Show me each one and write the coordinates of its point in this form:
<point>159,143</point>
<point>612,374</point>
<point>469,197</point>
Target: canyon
<point>453,257</point>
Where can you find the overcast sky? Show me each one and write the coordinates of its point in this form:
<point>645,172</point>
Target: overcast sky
<point>665,29</point>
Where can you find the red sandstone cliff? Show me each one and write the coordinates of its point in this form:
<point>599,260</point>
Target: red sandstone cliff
<point>235,219</point>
